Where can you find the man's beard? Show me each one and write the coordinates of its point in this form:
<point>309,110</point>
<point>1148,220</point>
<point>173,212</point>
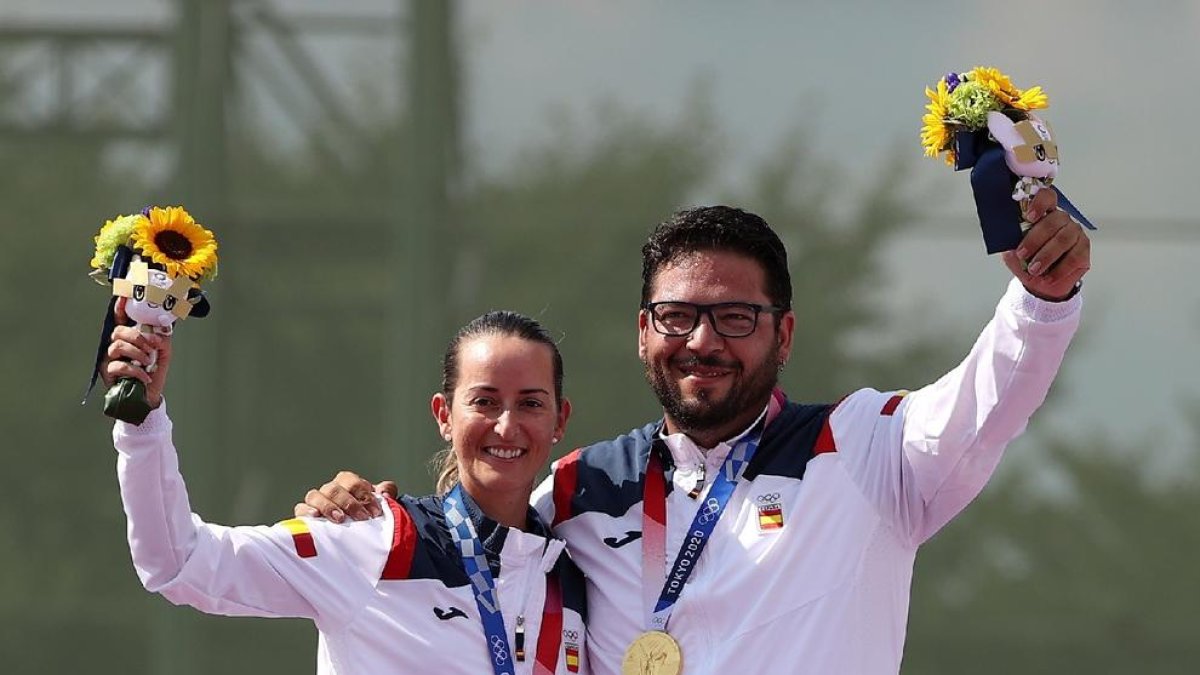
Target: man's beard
<point>748,392</point>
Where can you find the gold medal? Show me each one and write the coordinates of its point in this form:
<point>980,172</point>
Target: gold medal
<point>653,653</point>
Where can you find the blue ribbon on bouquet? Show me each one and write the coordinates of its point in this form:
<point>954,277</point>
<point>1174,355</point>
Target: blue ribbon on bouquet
<point>993,183</point>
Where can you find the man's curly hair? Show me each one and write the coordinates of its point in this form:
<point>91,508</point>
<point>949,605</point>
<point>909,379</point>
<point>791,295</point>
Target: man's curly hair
<point>718,228</point>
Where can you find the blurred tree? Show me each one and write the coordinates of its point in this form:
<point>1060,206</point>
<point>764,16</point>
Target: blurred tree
<point>834,255</point>
<point>62,515</point>
<point>1018,583</point>
<point>556,236</point>
<point>565,227</point>
<point>1098,577</point>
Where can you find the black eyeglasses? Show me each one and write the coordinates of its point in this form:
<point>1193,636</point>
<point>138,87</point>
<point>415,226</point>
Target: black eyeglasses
<point>729,319</point>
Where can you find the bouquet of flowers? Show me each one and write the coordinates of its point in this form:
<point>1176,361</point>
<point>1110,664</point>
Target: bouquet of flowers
<point>156,259</point>
<point>979,120</point>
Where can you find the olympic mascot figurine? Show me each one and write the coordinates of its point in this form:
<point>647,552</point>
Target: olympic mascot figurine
<point>980,121</point>
<point>155,259</point>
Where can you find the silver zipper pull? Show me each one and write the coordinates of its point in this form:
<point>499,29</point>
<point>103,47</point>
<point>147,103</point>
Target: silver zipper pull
<point>520,637</point>
<point>695,492</point>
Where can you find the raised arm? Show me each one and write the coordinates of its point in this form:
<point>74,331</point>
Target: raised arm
<point>319,571</point>
<point>923,457</point>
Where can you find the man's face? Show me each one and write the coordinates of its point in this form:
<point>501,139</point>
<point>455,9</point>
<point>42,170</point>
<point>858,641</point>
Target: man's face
<point>712,386</point>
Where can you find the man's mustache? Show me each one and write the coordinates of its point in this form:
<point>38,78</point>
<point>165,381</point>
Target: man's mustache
<point>705,362</point>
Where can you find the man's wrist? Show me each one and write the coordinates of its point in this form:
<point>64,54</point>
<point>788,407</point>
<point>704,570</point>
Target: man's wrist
<point>1074,291</point>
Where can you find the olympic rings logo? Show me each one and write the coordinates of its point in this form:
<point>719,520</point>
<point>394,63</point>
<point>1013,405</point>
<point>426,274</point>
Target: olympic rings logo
<point>499,650</point>
<point>769,498</point>
<point>708,512</point>
<point>570,635</point>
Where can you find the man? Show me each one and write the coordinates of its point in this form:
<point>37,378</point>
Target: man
<point>799,559</point>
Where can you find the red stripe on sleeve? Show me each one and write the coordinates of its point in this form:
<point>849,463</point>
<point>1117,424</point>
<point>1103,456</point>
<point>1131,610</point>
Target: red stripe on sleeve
<point>825,441</point>
<point>566,476</point>
<point>889,408</point>
<point>305,546</point>
<point>404,543</point>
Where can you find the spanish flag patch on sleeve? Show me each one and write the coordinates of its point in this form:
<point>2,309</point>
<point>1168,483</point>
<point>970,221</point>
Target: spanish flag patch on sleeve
<point>572,658</point>
<point>889,408</point>
<point>301,537</point>
<point>770,516</point>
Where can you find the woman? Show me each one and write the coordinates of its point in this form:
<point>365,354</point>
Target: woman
<point>465,581</point>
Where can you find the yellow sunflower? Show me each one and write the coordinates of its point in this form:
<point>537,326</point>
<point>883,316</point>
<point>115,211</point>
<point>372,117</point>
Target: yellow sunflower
<point>996,82</point>
<point>1031,99</point>
<point>935,135</point>
<point>170,237</point>
<point>1002,88</point>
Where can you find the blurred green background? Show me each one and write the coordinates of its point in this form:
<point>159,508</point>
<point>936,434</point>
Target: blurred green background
<point>379,172</point>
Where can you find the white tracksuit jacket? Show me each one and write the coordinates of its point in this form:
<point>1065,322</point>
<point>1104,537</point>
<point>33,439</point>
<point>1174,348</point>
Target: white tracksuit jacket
<point>388,595</point>
<point>810,568</point>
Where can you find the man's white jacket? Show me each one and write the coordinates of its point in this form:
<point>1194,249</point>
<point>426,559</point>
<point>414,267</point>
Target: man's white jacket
<point>810,568</point>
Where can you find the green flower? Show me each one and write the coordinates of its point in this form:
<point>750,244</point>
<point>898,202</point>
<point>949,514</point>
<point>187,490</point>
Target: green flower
<point>969,104</point>
<point>114,233</point>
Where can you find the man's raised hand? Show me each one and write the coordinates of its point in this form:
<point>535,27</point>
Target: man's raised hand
<point>1054,254</point>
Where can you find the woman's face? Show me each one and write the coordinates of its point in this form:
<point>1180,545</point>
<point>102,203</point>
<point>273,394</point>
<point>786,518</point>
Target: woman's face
<point>503,418</point>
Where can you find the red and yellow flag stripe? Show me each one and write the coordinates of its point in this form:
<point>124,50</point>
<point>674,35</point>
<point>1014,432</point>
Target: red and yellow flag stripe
<point>301,537</point>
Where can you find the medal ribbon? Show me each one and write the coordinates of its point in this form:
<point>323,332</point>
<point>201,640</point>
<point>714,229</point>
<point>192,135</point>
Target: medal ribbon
<point>462,530</point>
<point>705,520</point>
<point>550,634</point>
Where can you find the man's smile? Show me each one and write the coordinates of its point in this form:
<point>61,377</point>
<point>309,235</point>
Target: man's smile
<point>697,369</point>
